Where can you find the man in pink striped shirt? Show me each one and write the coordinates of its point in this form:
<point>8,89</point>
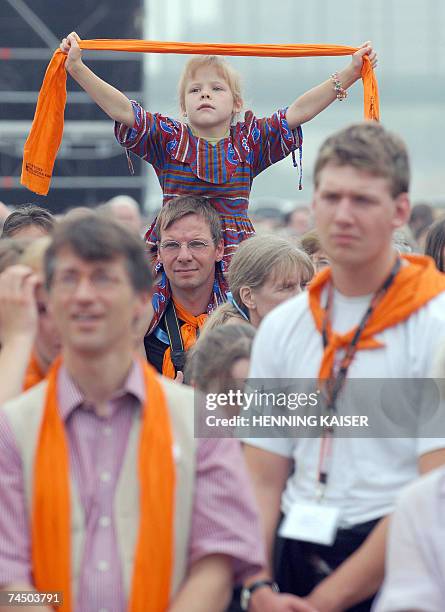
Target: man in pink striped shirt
<point>99,286</point>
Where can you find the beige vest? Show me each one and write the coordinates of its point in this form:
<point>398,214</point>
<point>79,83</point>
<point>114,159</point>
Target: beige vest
<point>25,414</point>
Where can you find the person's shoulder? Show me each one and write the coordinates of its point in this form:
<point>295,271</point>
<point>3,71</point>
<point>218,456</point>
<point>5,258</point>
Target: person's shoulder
<point>177,392</point>
<point>24,413</point>
<point>284,323</point>
<point>181,406</point>
<point>289,313</point>
<point>26,402</point>
<point>424,491</point>
<point>428,322</point>
<point>435,308</point>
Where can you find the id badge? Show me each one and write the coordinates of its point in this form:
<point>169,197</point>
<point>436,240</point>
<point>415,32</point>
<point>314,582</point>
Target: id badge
<point>311,522</point>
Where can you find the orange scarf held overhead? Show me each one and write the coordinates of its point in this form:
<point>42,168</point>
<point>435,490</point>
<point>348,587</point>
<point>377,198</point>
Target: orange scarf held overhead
<point>47,128</point>
<point>51,508</point>
<point>413,287</point>
<point>33,374</point>
<point>188,334</point>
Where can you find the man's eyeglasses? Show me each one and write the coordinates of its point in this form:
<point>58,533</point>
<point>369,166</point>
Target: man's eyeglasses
<point>173,246</point>
<point>69,280</point>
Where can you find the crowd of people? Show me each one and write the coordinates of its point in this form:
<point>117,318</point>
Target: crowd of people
<point>113,338</point>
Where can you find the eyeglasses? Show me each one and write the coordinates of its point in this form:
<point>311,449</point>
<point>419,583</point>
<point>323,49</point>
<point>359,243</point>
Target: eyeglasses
<point>69,280</point>
<point>173,246</point>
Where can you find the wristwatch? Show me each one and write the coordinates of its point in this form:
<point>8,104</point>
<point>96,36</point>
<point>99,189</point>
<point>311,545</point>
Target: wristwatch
<point>247,592</point>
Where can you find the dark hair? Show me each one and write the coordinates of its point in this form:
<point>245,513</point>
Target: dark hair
<point>422,212</point>
<point>422,216</point>
<point>95,238</point>
<point>310,242</point>
<point>26,216</point>
<point>180,207</point>
<point>367,146</point>
<point>435,243</point>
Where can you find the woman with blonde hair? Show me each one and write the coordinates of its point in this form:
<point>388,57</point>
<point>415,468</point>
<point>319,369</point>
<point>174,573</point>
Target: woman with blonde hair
<point>265,271</point>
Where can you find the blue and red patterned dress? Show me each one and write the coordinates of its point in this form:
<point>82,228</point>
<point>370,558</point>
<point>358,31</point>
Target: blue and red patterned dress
<point>188,165</point>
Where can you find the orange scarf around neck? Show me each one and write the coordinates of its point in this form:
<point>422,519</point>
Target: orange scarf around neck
<point>47,128</point>
<point>51,508</point>
<point>33,374</point>
<point>414,286</point>
<point>188,333</point>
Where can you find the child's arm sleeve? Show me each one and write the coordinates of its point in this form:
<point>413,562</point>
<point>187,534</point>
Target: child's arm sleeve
<point>150,136</point>
<point>271,140</point>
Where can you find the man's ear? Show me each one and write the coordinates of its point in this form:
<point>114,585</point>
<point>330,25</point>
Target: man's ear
<point>143,312</point>
<point>158,254</point>
<point>219,250</point>
<point>247,298</point>
<point>403,209</point>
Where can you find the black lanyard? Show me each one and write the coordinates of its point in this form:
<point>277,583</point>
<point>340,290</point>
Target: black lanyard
<point>336,381</point>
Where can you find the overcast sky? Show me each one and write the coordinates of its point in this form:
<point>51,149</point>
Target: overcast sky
<point>408,34</point>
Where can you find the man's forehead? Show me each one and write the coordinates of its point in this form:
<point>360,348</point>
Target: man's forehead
<point>66,257</point>
<point>342,177</point>
<point>189,224</point>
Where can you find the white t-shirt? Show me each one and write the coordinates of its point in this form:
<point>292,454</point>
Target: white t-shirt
<point>415,559</point>
<point>365,474</point>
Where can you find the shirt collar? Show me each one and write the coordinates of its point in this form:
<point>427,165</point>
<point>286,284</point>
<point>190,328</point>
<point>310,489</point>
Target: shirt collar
<point>71,397</point>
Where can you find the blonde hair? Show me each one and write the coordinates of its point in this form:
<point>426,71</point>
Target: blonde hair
<point>34,254</point>
<point>11,249</point>
<point>225,314</point>
<point>263,257</point>
<point>226,71</point>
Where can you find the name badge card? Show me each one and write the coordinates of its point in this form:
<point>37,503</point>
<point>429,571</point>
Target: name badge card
<point>311,522</point>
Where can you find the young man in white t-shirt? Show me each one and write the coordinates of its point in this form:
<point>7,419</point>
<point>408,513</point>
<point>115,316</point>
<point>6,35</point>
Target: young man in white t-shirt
<point>361,196</point>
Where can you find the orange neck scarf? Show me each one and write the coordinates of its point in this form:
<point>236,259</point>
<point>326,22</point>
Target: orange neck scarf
<point>33,374</point>
<point>188,334</point>
<point>51,509</point>
<point>414,286</point>
<point>47,128</point>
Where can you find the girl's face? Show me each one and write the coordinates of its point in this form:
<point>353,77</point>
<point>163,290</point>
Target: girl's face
<point>209,103</point>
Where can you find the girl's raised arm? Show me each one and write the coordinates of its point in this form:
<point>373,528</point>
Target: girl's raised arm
<point>112,101</point>
<point>310,104</point>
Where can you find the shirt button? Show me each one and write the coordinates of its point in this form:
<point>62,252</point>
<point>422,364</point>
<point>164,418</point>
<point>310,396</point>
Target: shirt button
<point>107,430</point>
<point>103,566</point>
<point>105,476</point>
<point>104,521</point>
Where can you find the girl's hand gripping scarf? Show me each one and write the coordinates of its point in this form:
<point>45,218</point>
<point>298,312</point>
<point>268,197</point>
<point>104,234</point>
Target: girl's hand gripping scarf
<point>47,128</point>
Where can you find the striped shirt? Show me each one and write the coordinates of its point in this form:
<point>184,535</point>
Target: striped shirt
<point>97,444</point>
<point>223,172</point>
